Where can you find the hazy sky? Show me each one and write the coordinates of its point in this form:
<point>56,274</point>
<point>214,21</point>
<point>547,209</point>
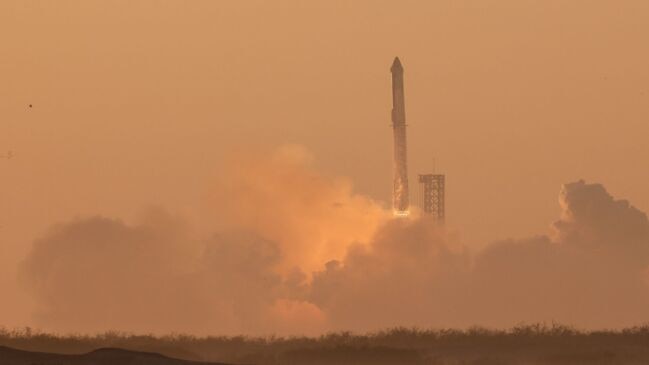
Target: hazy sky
<point>137,103</point>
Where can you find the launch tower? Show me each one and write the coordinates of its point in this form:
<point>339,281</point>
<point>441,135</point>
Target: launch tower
<point>431,196</point>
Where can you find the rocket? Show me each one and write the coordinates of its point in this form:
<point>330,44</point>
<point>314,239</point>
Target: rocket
<point>400,196</point>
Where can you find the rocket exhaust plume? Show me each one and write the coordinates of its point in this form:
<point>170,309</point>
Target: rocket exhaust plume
<point>400,195</point>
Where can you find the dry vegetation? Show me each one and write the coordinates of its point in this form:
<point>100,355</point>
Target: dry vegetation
<point>527,344</point>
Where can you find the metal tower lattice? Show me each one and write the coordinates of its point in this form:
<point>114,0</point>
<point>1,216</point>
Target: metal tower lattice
<point>431,195</point>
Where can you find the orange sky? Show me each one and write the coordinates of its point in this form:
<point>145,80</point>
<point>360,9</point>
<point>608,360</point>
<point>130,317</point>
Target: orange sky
<point>138,102</point>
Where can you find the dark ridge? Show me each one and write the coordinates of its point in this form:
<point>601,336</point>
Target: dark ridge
<point>102,356</point>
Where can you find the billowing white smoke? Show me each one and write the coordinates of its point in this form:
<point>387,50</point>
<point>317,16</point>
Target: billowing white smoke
<point>590,274</point>
<point>298,252</point>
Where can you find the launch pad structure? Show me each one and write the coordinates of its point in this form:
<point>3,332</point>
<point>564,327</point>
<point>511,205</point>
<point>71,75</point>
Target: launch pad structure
<point>431,196</point>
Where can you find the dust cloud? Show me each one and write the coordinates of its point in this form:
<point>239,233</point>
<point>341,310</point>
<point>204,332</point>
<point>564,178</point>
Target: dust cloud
<point>296,251</point>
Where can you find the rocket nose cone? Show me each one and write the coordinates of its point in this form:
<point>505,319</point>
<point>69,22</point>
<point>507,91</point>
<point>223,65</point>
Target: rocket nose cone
<point>396,65</point>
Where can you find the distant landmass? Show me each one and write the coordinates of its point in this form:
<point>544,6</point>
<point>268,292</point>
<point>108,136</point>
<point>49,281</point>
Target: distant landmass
<point>105,356</point>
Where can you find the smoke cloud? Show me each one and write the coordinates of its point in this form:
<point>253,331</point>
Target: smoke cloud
<point>281,196</point>
<point>296,251</point>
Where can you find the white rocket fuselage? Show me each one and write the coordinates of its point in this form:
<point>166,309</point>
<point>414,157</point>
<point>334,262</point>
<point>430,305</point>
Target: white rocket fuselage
<point>400,197</point>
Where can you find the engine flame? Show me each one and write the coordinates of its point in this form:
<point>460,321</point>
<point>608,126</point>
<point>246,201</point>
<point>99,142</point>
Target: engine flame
<point>401,213</point>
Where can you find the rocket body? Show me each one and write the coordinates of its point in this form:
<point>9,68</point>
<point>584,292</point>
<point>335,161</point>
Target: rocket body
<point>400,197</point>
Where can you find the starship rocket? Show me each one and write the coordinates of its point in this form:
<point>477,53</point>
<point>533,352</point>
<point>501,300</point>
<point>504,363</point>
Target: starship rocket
<point>400,195</point>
